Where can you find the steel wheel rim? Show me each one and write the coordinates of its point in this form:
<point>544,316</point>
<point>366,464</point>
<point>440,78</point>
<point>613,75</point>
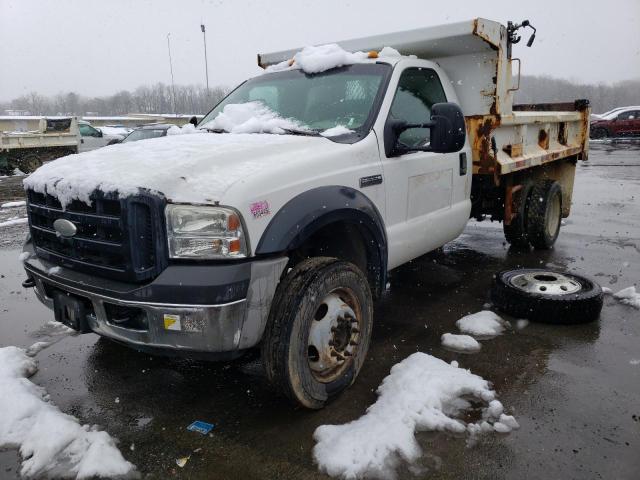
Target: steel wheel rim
<point>553,219</point>
<point>545,282</point>
<point>334,335</point>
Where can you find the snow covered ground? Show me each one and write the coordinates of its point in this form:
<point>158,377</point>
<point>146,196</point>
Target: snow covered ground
<point>14,221</point>
<point>461,343</point>
<point>628,296</point>
<point>52,444</point>
<point>484,323</point>
<point>421,393</point>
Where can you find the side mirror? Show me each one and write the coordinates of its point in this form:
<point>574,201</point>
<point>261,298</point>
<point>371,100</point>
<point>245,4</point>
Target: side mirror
<point>99,134</point>
<point>193,121</point>
<point>447,131</point>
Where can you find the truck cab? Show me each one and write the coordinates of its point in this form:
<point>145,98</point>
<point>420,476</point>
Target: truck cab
<point>274,223</point>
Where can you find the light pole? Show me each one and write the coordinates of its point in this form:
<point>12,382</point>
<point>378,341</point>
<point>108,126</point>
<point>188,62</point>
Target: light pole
<point>206,64</point>
<point>173,88</point>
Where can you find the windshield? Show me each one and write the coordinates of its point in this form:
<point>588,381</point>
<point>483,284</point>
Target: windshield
<point>339,97</point>
<point>144,134</point>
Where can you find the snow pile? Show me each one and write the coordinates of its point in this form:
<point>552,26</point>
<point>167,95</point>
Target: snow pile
<point>325,57</point>
<point>421,393</point>
<point>20,203</point>
<point>251,117</point>
<point>52,443</point>
<point>13,221</point>
<point>628,296</point>
<point>186,168</point>
<point>319,59</point>
<point>335,131</point>
<point>185,129</point>
<point>461,343</point>
<point>484,323</point>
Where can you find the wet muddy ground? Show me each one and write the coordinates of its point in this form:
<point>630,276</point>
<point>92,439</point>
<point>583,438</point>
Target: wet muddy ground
<point>575,390</point>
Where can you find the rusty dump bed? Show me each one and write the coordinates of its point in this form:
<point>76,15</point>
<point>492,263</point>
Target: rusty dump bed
<point>477,57</point>
<point>529,136</point>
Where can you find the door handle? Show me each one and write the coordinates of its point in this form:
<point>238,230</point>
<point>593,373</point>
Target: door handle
<point>463,163</point>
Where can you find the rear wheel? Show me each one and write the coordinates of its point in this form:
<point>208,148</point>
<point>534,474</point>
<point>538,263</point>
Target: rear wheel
<point>544,214</point>
<point>29,163</point>
<point>319,330</point>
<point>516,232</point>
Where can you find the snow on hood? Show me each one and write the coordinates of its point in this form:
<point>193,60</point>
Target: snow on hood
<point>325,57</point>
<point>252,117</point>
<point>189,168</point>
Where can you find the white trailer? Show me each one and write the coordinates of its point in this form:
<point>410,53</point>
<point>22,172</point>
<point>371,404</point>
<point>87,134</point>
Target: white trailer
<point>27,150</point>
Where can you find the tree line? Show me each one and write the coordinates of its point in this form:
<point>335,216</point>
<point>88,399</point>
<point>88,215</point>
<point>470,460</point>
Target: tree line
<point>194,99</point>
<point>158,98</point>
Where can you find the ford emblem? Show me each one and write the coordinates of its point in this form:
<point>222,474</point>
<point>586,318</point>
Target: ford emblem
<point>65,228</point>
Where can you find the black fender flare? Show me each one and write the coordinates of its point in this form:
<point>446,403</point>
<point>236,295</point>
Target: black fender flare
<point>309,211</point>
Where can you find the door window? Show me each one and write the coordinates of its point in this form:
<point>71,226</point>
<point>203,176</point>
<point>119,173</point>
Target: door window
<point>631,115</point>
<point>418,89</point>
<point>87,130</point>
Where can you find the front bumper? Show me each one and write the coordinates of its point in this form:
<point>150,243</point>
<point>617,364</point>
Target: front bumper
<point>171,314</point>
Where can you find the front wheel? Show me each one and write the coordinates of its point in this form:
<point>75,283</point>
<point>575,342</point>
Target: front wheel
<point>318,331</point>
<point>598,133</point>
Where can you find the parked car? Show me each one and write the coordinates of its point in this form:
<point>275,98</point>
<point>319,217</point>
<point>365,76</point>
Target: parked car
<point>281,237</point>
<point>145,132</point>
<point>616,123</point>
<point>92,137</point>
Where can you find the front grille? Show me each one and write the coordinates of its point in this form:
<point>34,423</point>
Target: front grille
<point>122,239</point>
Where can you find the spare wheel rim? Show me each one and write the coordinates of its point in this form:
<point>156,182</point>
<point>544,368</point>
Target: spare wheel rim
<point>545,282</point>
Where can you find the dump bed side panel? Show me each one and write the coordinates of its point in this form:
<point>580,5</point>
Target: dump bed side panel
<point>531,136</point>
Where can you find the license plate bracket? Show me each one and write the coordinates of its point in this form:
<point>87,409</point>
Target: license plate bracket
<point>71,311</point>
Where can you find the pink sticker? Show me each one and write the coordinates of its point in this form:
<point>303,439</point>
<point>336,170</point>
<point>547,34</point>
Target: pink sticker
<point>259,209</point>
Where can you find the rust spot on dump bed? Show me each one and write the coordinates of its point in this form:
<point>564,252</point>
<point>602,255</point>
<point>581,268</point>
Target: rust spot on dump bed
<point>543,139</point>
<point>480,128</point>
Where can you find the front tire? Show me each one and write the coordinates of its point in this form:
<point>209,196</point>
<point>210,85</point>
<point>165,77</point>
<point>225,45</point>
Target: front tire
<point>599,133</point>
<point>319,330</point>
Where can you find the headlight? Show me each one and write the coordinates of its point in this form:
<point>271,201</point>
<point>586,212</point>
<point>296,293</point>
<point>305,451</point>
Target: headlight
<point>204,232</point>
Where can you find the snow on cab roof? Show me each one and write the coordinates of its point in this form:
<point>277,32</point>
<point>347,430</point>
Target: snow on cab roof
<point>325,57</point>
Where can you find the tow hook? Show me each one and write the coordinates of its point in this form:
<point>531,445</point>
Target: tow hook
<point>29,283</point>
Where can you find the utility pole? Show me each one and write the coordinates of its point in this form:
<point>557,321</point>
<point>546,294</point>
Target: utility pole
<point>206,64</point>
<point>173,87</point>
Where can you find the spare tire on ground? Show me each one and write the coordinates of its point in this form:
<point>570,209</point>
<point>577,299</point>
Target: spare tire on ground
<point>547,296</point>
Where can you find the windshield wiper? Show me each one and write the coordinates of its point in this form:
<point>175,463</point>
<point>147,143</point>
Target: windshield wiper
<point>216,130</point>
<point>306,133</point>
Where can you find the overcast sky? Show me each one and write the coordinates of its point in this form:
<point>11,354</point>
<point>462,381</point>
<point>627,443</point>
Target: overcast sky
<point>99,47</point>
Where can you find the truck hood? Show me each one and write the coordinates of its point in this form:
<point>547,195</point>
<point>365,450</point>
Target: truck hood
<point>194,168</point>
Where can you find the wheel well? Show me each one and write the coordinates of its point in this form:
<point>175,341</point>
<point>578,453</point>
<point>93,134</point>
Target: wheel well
<point>346,241</point>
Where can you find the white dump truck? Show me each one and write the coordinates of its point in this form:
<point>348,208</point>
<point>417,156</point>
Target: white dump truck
<point>275,222</point>
<point>54,137</point>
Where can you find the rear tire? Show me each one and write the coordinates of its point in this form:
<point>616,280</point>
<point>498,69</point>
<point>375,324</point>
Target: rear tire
<point>516,232</point>
<point>544,214</point>
<point>29,163</point>
<point>318,331</point>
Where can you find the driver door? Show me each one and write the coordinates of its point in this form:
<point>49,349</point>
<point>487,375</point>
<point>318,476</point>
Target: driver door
<point>426,204</point>
<point>90,138</point>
